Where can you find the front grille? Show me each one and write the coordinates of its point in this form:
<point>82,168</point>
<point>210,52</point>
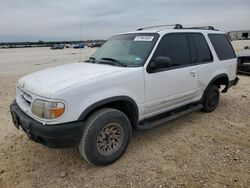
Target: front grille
<point>24,97</point>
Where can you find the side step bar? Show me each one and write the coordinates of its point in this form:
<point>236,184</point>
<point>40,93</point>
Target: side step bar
<point>173,115</point>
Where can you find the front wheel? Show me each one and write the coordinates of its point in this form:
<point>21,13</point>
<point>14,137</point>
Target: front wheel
<point>106,136</point>
<point>211,99</point>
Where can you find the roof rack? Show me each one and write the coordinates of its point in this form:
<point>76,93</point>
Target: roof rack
<point>201,27</point>
<point>179,26</point>
<point>176,26</point>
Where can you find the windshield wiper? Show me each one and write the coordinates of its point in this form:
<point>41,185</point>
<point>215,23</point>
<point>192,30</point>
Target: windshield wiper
<point>114,60</point>
<point>91,60</point>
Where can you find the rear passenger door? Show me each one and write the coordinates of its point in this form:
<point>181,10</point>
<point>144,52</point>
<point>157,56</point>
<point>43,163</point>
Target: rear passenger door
<point>174,86</point>
<point>202,59</point>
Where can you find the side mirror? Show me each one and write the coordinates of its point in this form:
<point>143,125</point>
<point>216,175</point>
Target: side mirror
<point>161,62</point>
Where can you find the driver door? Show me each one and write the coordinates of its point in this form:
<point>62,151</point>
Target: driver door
<point>174,86</point>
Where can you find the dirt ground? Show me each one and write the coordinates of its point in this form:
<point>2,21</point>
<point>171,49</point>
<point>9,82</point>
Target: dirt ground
<point>197,150</point>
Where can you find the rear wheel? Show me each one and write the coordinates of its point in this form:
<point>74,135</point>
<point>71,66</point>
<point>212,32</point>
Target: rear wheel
<point>106,136</point>
<point>211,99</point>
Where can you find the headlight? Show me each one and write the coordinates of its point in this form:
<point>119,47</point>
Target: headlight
<point>47,109</point>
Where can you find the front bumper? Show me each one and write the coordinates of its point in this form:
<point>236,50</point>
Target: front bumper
<point>54,136</point>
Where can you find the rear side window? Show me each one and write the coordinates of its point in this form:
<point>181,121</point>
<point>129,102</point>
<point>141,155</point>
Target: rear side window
<point>174,46</point>
<point>222,46</point>
<point>203,51</point>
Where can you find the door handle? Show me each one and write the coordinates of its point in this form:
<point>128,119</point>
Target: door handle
<point>192,72</point>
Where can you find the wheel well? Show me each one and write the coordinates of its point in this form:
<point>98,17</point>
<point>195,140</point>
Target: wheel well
<point>220,80</point>
<point>126,106</point>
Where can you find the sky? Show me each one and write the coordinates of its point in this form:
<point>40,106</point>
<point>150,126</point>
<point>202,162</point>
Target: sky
<point>48,20</point>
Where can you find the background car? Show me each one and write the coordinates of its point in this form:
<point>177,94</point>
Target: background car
<point>95,45</point>
<point>80,45</point>
<point>244,61</point>
<point>57,46</point>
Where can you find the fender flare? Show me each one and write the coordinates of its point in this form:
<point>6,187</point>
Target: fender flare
<point>213,80</point>
<point>107,101</point>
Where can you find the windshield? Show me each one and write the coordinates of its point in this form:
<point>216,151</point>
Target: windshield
<point>128,50</point>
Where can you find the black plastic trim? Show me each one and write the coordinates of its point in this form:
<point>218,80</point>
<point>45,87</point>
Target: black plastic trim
<point>167,113</point>
<point>212,82</point>
<point>54,136</point>
<point>107,101</point>
<point>233,82</point>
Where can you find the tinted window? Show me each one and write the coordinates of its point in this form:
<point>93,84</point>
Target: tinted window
<point>174,46</point>
<point>203,51</point>
<point>222,46</point>
<point>192,47</point>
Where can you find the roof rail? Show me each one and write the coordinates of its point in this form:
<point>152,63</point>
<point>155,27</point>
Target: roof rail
<point>200,27</point>
<point>179,26</point>
<point>176,26</point>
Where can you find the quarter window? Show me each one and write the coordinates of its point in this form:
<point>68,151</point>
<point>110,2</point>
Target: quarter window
<point>222,46</point>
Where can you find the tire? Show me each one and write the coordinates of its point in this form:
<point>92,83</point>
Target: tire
<point>106,137</point>
<point>211,99</point>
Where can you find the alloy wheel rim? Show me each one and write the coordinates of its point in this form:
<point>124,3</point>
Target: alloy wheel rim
<point>110,139</point>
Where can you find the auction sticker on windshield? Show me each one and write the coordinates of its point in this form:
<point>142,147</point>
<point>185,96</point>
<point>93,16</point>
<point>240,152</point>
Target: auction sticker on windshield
<point>144,38</point>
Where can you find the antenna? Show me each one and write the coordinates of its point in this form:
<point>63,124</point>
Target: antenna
<point>80,54</point>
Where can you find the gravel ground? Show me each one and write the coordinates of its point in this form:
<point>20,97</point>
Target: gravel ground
<point>197,150</point>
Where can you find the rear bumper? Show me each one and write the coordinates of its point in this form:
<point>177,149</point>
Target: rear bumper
<point>233,82</point>
<point>54,136</point>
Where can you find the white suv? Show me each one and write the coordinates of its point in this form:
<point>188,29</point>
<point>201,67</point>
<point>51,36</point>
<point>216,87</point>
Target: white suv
<point>135,80</point>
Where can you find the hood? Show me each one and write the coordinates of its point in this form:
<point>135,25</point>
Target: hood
<point>49,81</point>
